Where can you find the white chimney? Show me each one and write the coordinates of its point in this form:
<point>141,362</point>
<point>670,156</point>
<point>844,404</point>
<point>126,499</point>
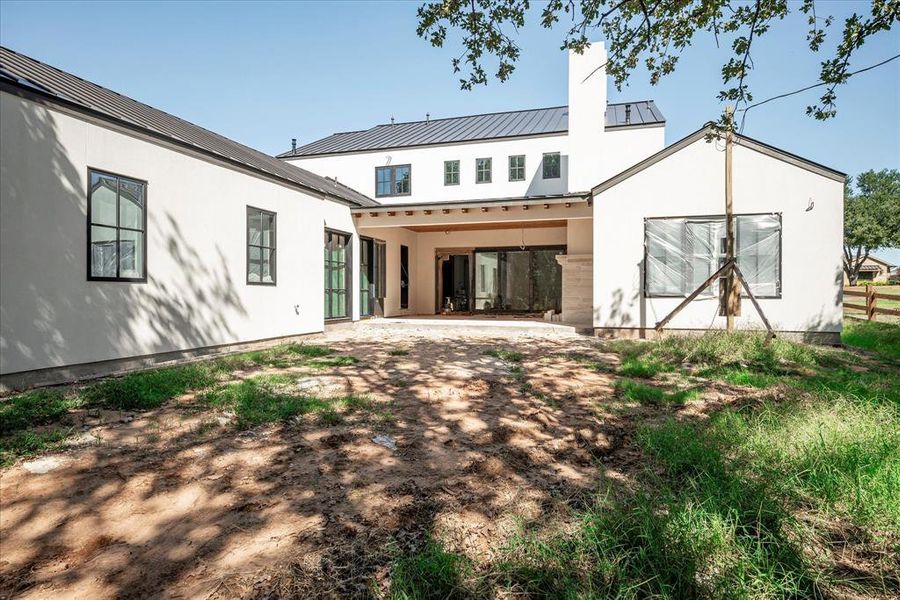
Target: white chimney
<point>587,116</point>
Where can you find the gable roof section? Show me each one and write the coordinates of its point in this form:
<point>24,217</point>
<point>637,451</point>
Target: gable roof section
<point>490,126</point>
<point>740,140</point>
<point>36,78</point>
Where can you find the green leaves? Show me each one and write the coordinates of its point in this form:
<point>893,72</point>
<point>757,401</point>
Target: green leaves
<point>652,34</point>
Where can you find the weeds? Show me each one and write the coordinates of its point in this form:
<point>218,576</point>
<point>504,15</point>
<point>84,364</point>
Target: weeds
<point>432,572</point>
<point>505,355</point>
<point>399,352</point>
<point>880,338</point>
<point>651,394</point>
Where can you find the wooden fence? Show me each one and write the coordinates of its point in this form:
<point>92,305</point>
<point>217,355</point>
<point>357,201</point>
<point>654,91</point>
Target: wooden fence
<point>871,307</point>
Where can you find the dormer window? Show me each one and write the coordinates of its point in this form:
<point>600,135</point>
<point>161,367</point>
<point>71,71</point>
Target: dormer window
<point>550,168</point>
<point>482,170</point>
<point>393,181</point>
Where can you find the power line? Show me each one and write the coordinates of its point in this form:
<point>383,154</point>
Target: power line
<point>809,87</point>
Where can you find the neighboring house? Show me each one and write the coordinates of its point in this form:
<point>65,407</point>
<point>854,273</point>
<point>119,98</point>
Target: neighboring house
<point>872,269</point>
<point>131,237</point>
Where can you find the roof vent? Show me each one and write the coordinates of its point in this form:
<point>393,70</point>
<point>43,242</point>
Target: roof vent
<point>293,145</point>
<point>627,114</point>
<point>427,118</point>
<point>392,121</point>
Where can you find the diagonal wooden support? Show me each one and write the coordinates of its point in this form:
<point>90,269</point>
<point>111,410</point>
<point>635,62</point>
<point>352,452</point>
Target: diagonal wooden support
<point>756,305</point>
<point>725,267</point>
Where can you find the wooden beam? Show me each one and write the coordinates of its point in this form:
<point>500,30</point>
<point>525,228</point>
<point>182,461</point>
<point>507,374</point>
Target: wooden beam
<point>373,214</point>
<point>732,287</point>
<point>590,201</point>
<point>484,209</point>
<point>445,211</point>
<point>408,213</point>
<point>740,276</point>
<point>546,206</point>
<point>427,212</point>
<point>391,213</point>
<point>694,294</point>
<point>504,208</point>
<point>464,210</point>
<point>524,207</point>
<point>357,215</point>
<point>568,205</point>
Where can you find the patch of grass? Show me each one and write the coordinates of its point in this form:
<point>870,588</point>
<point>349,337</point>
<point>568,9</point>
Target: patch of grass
<point>205,426</point>
<point>262,399</point>
<point>24,444</point>
<point>430,573</point>
<point>505,355</point>
<point>651,394</point>
<point>310,351</point>
<point>149,389</point>
<point>331,417</point>
<point>878,337</point>
<point>639,366</point>
<point>399,352</point>
<point>739,376</point>
<point>35,408</point>
<point>332,361</point>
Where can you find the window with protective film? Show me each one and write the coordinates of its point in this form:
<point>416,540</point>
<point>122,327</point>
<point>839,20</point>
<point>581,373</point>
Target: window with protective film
<point>680,253</point>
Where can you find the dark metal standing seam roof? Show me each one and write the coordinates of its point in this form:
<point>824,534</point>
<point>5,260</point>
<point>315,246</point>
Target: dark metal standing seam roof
<point>539,121</point>
<point>30,74</point>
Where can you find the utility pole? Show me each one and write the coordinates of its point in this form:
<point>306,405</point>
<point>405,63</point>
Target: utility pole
<point>732,287</point>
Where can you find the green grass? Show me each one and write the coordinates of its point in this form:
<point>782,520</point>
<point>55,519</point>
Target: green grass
<point>145,390</point>
<point>430,573</point>
<point>149,389</point>
<point>505,355</point>
<point>35,408</point>
<point>271,398</point>
<point>27,443</point>
<point>638,366</point>
<point>879,337</point>
<point>651,394</point>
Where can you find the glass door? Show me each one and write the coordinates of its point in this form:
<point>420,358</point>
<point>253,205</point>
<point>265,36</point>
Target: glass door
<point>337,274</point>
<point>518,280</point>
<point>366,277</point>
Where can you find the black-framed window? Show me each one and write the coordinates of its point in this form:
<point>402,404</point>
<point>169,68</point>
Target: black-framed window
<point>372,254</point>
<point>483,170</point>
<point>260,246</point>
<point>451,172</point>
<point>517,168</point>
<point>404,277</point>
<point>338,274</point>
<point>680,253</point>
<point>393,181</point>
<point>117,228</point>
<point>551,166</point>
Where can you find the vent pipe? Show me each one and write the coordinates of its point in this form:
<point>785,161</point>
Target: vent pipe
<point>627,114</point>
<point>427,118</point>
<point>392,121</point>
<point>293,145</point>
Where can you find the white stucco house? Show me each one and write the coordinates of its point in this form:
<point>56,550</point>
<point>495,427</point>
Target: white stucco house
<point>129,236</point>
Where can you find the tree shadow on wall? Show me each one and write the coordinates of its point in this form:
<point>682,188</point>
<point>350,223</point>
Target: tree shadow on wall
<point>51,315</point>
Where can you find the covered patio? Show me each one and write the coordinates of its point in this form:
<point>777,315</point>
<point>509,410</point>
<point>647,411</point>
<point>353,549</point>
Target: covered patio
<point>510,257</point>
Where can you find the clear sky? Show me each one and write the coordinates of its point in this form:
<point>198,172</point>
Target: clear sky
<point>262,73</point>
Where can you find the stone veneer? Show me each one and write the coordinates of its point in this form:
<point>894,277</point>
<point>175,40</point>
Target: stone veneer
<point>577,288</point>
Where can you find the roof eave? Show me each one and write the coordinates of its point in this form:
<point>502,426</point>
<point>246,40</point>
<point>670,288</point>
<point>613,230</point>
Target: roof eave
<point>33,93</point>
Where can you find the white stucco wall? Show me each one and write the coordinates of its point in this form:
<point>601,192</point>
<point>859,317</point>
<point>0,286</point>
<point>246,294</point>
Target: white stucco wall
<point>196,293</point>
<point>691,183</point>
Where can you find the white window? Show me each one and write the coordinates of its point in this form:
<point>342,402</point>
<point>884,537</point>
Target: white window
<point>682,253</point>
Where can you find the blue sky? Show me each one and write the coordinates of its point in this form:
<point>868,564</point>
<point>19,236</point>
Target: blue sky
<point>262,73</point>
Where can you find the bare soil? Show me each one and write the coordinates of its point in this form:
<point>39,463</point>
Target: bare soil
<point>176,503</point>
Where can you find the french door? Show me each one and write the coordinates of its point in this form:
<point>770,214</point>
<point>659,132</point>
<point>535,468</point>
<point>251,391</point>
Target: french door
<point>338,274</point>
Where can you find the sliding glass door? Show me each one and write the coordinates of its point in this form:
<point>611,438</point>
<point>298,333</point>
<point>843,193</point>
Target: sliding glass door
<point>337,275</point>
<point>518,280</point>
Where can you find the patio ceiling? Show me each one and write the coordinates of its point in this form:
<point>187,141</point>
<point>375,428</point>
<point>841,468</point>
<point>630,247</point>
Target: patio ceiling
<point>513,213</point>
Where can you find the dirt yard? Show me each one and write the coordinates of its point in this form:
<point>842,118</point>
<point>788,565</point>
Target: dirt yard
<point>177,503</point>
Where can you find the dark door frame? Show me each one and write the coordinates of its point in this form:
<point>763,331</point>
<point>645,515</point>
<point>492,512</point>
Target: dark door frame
<point>348,277</point>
